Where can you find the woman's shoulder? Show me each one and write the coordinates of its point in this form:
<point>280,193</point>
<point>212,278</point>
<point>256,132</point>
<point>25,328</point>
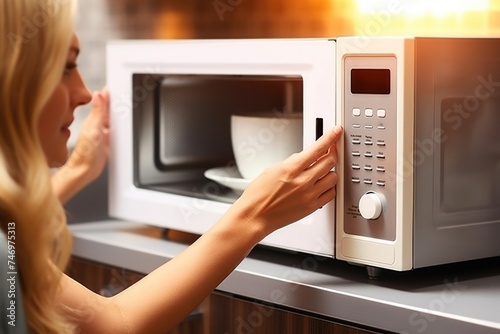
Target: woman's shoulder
<point>11,301</point>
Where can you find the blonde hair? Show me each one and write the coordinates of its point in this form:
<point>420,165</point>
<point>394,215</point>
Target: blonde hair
<point>35,37</point>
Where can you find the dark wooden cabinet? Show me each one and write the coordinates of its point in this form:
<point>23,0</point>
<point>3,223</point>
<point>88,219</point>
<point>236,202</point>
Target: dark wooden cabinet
<point>219,313</point>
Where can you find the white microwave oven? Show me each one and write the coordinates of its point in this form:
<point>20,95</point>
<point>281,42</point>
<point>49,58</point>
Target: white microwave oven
<point>419,162</point>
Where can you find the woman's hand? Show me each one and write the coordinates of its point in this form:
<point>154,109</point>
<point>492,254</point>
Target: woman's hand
<point>293,188</point>
<point>90,155</point>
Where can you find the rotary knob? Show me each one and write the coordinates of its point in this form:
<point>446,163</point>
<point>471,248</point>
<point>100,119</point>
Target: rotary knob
<point>370,205</point>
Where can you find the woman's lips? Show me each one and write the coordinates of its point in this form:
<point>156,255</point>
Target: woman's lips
<point>65,128</point>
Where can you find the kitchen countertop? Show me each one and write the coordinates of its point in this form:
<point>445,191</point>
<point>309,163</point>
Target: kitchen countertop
<point>455,298</point>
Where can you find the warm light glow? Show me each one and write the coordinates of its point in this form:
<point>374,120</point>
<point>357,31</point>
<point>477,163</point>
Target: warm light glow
<point>173,25</point>
<point>426,17</point>
<point>422,7</point>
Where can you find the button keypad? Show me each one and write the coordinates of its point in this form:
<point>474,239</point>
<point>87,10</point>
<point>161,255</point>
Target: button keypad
<point>372,174</point>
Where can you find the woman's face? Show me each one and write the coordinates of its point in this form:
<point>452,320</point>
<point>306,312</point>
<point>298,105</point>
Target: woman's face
<point>57,115</point>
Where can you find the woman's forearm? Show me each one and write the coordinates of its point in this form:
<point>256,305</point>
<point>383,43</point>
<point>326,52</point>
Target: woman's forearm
<point>170,292</point>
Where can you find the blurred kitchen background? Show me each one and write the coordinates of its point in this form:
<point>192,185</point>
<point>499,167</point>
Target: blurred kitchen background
<point>101,20</point>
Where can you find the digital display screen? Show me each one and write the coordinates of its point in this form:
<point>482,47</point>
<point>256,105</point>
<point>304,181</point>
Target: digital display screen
<point>370,81</point>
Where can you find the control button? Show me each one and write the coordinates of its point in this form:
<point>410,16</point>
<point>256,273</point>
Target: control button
<point>368,142</point>
<point>356,112</point>
<point>380,142</point>
<point>367,181</point>
<point>368,168</point>
<point>356,126</point>
<point>368,112</point>
<point>381,183</point>
<point>356,167</point>
<point>355,180</point>
<point>381,113</point>
<point>381,127</point>
<point>368,155</point>
<point>368,126</point>
<point>356,154</point>
<point>381,169</point>
<point>356,141</point>
<point>380,156</point>
<point>370,205</point>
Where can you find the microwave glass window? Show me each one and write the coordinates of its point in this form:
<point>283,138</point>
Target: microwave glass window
<point>195,111</point>
<point>370,81</point>
<point>470,154</point>
<point>182,125</point>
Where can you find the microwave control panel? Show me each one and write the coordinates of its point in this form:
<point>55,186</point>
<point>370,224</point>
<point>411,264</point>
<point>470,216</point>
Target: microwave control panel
<point>369,116</point>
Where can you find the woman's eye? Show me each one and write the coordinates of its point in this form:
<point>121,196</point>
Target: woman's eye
<point>69,67</point>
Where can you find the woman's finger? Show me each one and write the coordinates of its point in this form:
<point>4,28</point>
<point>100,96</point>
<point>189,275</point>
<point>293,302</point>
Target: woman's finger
<point>319,148</point>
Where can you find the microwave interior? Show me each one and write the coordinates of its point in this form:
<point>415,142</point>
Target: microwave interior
<point>182,123</point>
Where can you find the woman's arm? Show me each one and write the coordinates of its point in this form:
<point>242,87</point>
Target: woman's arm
<point>89,157</point>
<point>281,195</point>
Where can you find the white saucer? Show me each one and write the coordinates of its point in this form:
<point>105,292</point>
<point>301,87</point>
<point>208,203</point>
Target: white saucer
<point>228,176</point>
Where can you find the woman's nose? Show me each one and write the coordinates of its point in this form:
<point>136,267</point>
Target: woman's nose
<point>81,95</point>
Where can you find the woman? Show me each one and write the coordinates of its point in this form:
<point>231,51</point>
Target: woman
<point>40,87</point>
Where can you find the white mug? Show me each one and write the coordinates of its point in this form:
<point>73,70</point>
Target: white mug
<point>262,139</point>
